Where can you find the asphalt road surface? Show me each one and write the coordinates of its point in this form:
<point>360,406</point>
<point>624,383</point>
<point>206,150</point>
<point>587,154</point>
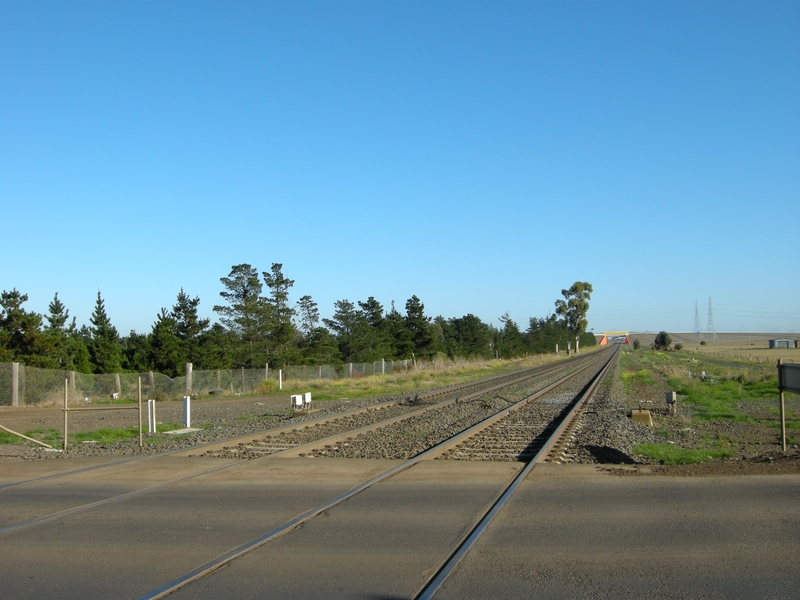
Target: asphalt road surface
<point>571,532</point>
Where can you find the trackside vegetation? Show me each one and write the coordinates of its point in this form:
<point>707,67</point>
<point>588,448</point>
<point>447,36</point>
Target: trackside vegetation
<point>724,407</point>
<point>259,324</point>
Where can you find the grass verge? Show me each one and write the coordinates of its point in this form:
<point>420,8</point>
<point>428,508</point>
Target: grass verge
<point>670,454</point>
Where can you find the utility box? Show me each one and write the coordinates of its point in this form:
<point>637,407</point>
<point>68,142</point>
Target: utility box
<point>642,416</point>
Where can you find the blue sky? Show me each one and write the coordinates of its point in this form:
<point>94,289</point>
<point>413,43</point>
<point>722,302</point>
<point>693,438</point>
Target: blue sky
<point>481,155</point>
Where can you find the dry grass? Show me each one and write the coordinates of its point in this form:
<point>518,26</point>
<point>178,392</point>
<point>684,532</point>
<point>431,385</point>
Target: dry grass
<point>428,374</point>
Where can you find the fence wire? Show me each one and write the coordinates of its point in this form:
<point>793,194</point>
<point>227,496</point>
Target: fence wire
<point>46,386</point>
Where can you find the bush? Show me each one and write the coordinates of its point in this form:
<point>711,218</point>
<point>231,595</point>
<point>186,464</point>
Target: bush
<point>266,387</point>
<point>703,343</point>
<point>637,344</point>
<point>678,347</point>
<point>662,341</point>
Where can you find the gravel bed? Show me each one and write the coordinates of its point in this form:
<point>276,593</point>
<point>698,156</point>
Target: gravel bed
<point>605,433</point>
<point>220,421</point>
<point>418,433</point>
<point>270,444</point>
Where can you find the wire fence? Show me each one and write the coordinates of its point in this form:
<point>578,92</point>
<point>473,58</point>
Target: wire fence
<point>28,386</point>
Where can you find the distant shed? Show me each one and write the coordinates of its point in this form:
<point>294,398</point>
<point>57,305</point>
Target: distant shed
<point>783,343</point>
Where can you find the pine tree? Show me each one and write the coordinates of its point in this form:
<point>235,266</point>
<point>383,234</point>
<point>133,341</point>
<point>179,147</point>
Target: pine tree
<point>399,334</point>
<point>247,315</point>
<point>105,349</point>
<point>190,329</point>
<point>418,326</point>
<point>309,315</point>
<point>281,329</point>
<point>165,345</point>
<point>21,336</point>
<point>58,315</point>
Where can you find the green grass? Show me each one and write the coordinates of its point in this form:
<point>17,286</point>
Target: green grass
<point>48,436</point>
<point>122,434</point>
<point>670,454</point>
<point>106,436</point>
<point>718,400</point>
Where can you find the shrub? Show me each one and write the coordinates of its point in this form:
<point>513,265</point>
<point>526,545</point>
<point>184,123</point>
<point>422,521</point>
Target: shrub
<point>662,341</point>
<point>678,347</point>
<point>637,344</point>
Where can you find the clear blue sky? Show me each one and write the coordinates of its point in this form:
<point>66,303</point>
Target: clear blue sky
<point>481,155</point>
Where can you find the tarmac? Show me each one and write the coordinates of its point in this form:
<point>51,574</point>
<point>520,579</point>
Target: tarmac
<point>570,532</point>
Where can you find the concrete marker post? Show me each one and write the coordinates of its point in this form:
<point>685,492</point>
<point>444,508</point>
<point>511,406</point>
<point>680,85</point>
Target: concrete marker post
<point>151,416</point>
<point>280,379</point>
<point>140,413</point>
<point>66,391</point>
<point>187,411</point>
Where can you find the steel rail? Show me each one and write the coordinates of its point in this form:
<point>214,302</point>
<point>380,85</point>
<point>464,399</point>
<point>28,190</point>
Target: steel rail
<point>438,578</point>
<point>297,522</point>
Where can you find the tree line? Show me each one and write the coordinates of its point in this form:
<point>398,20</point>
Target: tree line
<point>258,324</point>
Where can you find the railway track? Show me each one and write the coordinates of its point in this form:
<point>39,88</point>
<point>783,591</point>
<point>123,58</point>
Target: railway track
<point>315,428</point>
<point>568,415</point>
<point>504,418</point>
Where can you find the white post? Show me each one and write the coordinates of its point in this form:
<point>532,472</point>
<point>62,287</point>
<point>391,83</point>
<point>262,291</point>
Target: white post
<point>280,379</point>
<point>151,416</point>
<point>266,371</point>
<point>187,411</point>
<point>556,349</point>
<point>383,367</point>
<point>119,385</point>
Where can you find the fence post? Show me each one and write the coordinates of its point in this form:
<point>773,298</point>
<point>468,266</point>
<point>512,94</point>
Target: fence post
<point>14,384</point>
<point>187,384</point>
<point>72,380</point>
<point>349,369</point>
<point>219,380</point>
<point>280,379</point>
<point>242,381</point>
<point>119,386</point>
<point>266,371</point>
<point>383,367</point>
<point>152,379</point>
<point>320,372</point>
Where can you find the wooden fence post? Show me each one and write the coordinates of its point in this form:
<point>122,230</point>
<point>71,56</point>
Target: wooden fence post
<point>14,384</point>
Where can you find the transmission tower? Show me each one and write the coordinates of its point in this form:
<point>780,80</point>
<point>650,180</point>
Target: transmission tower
<point>711,331</point>
<point>698,335</point>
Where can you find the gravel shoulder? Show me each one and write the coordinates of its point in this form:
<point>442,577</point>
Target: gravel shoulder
<point>608,437</point>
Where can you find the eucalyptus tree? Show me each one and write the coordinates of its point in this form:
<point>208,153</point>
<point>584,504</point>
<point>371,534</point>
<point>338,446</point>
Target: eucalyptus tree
<point>573,308</point>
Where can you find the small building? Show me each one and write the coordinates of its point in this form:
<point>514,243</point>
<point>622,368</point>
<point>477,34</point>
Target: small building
<point>783,343</point>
